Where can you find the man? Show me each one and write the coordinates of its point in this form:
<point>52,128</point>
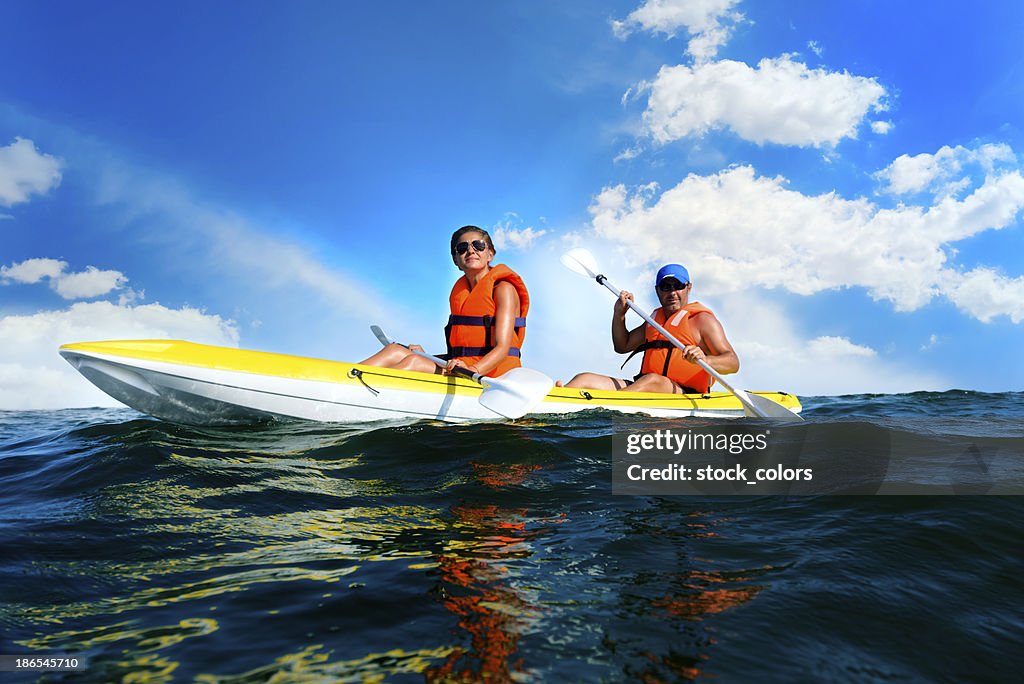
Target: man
<point>665,368</point>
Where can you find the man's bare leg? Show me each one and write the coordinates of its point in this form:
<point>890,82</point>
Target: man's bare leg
<point>596,381</point>
<point>652,382</point>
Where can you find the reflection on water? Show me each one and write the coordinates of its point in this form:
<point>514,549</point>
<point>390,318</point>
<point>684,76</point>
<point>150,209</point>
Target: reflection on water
<point>211,535</point>
<point>463,553</point>
<point>347,540</point>
<point>478,583</point>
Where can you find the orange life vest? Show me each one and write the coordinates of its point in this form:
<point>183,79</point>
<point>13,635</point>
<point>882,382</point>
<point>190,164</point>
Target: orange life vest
<point>664,358</point>
<point>470,331</point>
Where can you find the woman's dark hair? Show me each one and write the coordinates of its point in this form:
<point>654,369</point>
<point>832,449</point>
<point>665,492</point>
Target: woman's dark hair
<point>472,229</point>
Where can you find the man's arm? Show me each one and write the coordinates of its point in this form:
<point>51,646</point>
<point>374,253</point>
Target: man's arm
<point>714,347</point>
<point>623,340</point>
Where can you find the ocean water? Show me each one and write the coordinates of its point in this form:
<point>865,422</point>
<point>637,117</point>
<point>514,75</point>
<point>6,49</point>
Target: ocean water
<point>495,552</point>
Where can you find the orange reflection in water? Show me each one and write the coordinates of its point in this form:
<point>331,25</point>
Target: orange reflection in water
<point>478,587</point>
<point>695,595</point>
<point>705,597</point>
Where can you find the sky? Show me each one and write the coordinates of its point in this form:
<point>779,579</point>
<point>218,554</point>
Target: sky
<point>843,180</point>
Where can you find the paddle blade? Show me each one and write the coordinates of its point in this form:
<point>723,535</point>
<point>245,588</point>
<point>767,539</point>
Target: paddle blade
<point>381,336</point>
<point>766,408</point>
<point>516,392</point>
<point>580,261</point>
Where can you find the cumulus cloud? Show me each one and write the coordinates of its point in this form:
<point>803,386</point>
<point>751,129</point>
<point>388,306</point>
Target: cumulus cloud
<point>708,22</point>
<point>780,101</point>
<point>506,237</point>
<point>32,271</point>
<point>881,127</point>
<point>942,172</point>
<point>984,293</point>
<point>89,283</point>
<point>831,347</point>
<point>738,230</point>
<point>34,376</point>
<point>776,355</point>
<point>92,282</point>
<point>24,172</point>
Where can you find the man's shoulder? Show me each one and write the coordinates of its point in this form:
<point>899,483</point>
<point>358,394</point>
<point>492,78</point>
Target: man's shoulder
<point>702,316</point>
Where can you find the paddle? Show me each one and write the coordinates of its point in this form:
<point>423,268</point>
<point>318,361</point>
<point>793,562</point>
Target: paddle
<point>512,395</point>
<point>581,261</point>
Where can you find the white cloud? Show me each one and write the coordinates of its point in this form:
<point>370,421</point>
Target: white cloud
<point>24,171</point>
<point>92,282</point>
<point>506,237</point>
<point>32,271</point>
<point>709,22</point>
<point>34,376</point>
<point>985,294</point>
<point>831,347</point>
<point>736,230</point>
<point>776,355</point>
<point>942,172</point>
<point>628,153</point>
<point>89,283</point>
<point>815,47</point>
<point>780,101</point>
<point>881,127</point>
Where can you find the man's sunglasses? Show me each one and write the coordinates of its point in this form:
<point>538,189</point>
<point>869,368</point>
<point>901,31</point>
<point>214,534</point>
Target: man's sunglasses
<point>672,285</point>
<point>463,247</point>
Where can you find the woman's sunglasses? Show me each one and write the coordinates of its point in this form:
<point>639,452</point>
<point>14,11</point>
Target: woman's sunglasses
<point>463,247</point>
<point>672,285</point>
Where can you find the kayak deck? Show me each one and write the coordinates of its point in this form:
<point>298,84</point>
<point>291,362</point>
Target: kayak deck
<point>202,384</point>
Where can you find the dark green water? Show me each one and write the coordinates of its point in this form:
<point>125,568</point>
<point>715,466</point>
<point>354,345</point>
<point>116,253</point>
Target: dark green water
<point>491,552</point>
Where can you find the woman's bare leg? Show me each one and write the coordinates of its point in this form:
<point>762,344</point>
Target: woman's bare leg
<point>412,362</point>
<point>389,357</point>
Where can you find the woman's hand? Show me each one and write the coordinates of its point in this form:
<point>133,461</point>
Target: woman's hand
<point>458,363</point>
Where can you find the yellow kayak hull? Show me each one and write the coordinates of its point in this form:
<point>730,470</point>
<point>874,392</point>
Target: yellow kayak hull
<point>199,384</point>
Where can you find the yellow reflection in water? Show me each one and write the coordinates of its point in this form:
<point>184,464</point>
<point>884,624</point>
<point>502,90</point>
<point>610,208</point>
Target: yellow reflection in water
<point>312,665</point>
<point>274,548</point>
<point>146,638</point>
<point>149,669</point>
<point>142,664</point>
<point>470,547</point>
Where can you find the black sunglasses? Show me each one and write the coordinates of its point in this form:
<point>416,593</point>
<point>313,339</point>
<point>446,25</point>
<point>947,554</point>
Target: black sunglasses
<point>672,285</point>
<point>463,247</point>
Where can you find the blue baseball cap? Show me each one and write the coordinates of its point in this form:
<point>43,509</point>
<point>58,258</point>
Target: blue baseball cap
<point>672,271</point>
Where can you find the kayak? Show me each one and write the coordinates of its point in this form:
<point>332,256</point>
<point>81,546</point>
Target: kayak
<point>198,384</point>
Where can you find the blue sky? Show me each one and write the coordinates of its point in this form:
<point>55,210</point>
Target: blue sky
<point>842,180</point>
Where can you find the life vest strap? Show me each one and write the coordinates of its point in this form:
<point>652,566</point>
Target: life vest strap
<point>482,321</point>
<point>653,344</point>
<point>456,352</point>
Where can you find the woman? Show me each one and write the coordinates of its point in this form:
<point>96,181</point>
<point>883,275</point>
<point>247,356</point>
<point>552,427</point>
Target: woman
<point>487,324</point>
